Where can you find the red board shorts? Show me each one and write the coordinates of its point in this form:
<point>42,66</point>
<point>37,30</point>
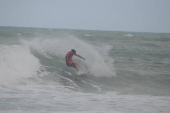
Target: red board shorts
<point>73,64</point>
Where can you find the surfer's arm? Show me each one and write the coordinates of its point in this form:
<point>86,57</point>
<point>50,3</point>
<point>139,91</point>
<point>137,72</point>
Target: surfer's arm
<point>79,56</point>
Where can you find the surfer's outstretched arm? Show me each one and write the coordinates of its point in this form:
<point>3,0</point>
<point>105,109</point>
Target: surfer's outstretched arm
<point>79,56</point>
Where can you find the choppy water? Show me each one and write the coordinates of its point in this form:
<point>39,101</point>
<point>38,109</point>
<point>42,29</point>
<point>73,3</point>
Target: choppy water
<point>130,71</point>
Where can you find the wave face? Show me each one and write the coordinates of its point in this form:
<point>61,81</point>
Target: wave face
<point>32,65</point>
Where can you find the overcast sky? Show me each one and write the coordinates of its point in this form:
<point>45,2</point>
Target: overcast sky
<point>114,15</point>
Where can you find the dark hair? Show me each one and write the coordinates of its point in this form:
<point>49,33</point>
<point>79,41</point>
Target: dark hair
<point>72,50</point>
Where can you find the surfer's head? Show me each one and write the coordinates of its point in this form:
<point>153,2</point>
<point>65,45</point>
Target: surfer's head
<point>73,51</point>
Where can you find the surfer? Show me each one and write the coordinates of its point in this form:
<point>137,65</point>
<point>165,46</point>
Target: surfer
<point>70,62</point>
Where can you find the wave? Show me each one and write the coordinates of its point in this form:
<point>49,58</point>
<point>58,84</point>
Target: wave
<point>16,62</point>
<point>36,56</point>
<point>44,57</point>
<point>97,58</point>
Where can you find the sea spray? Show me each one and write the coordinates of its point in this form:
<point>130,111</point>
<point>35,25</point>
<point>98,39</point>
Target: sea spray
<point>17,62</point>
<point>97,58</point>
<point>35,78</point>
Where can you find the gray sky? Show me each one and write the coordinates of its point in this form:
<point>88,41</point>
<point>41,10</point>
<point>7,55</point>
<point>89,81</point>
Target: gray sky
<point>114,15</point>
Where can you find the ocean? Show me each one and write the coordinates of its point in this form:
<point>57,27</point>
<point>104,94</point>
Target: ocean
<point>130,71</point>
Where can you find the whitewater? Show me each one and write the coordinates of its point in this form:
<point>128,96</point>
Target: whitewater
<point>130,71</point>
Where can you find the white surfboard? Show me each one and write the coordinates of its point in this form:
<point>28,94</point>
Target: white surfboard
<point>82,74</point>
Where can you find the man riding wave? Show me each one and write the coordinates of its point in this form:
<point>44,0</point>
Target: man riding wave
<point>70,62</point>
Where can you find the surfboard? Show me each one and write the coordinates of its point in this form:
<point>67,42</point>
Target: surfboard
<point>82,74</point>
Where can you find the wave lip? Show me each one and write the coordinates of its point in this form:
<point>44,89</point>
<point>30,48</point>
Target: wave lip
<point>16,62</point>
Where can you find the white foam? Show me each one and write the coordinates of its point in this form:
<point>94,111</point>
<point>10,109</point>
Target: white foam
<point>16,62</point>
<point>129,35</point>
<point>103,64</point>
<point>36,44</point>
<point>97,58</point>
<point>87,35</point>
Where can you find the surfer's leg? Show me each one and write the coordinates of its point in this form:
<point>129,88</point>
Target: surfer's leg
<point>77,66</point>
<point>74,64</point>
